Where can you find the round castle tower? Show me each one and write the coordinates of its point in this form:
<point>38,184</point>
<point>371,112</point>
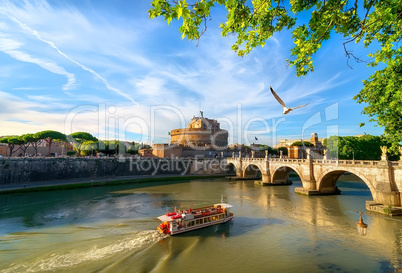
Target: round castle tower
<point>200,131</point>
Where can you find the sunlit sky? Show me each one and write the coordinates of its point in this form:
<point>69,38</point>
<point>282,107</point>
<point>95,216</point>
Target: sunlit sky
<point>104,67</point>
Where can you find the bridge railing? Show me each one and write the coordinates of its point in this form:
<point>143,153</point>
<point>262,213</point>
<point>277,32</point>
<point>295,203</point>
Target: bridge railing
<point>361,163</point>
<point>253,159</point>
<point>294,160</point>
<point>348,162</point>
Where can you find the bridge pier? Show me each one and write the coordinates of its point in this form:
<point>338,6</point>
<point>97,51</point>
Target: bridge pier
<point>391,198</point>
<point>239,173</point>
<point>266,178</point>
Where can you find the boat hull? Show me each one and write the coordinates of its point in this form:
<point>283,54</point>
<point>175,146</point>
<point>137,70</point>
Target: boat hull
<point>187,229</point>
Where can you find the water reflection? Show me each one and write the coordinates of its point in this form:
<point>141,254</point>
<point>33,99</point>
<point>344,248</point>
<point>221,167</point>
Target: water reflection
<point>112,229</point>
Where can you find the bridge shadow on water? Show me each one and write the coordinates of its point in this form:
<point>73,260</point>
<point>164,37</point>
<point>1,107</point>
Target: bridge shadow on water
<point>352,185</point>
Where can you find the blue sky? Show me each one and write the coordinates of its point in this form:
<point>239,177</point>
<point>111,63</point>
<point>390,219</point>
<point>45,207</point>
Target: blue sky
<point>105,68</point>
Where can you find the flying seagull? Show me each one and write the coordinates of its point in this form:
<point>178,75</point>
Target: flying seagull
<point>286,110</point>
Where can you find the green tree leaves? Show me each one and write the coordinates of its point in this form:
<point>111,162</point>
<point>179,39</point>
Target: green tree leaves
<point>366,147</point>
<point>302,143</point>
<point>50,136</point>
<point>375,23</point>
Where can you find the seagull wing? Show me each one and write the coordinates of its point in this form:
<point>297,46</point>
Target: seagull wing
<point>299,106</point>
<point>277,98</point>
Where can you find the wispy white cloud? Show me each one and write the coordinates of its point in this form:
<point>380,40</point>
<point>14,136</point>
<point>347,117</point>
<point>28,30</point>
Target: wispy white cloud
<point>10,46</point>
<point>51,44</point>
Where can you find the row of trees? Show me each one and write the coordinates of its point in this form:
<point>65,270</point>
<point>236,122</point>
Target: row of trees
<point>83,143</point>
<point>26,140</point>
<point>273,151</point>
<point>366,147</point>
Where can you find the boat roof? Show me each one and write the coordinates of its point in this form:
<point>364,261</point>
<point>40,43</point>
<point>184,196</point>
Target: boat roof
<point>224,205</point>
<point>165,218</point>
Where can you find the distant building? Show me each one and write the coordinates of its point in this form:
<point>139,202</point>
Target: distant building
<point>166,150</point>
<point>145,152</point>
<point>316,151</point>
<point>288,142</point>
<point>3,149</point>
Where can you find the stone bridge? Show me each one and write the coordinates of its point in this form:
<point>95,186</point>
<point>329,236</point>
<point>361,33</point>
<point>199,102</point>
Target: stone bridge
<point>319,176</point>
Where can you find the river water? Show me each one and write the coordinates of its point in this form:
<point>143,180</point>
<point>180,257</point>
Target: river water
<point>113,229</point>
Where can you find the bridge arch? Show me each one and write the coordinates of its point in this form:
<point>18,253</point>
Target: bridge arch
<point>280,174</point>
<point>327,183</point>
<point>252,170</point>
<point>230,168</point>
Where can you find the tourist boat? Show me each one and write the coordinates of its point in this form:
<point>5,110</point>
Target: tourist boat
<point>175,223</point>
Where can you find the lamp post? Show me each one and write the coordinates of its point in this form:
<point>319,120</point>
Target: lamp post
<point>361,226</point>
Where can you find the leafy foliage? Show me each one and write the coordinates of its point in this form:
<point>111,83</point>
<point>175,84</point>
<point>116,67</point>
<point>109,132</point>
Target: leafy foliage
<point>49,136</point>
<point>11,141</point>
<point>133,149</point>
<point>89,147</point>
<point>377,24</point>
<point>111,147</point>
<point>273,151</point>
<point>302,143</point>
<point>26,141</point>
<point>366,147</point>
<point>284,151</point>
<point>82,136</point>
<point>78,138</point>
<point>71,153</point>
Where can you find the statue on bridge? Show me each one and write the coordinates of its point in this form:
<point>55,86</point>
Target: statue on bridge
<point>266,154</point>
<point>308,153</point>
<point>400,152</point>
<point>384,153</point>
<point>325,153</point>
<point>252,154</point>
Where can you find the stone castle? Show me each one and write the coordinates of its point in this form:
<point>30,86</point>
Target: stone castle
<point>200,131</point>
<point>203,137</point>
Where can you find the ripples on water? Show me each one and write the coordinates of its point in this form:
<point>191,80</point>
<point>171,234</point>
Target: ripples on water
<point>84,253</point>
<point>113,230</point>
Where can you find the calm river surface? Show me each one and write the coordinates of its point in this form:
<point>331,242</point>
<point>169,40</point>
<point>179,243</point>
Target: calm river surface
<point>113,229</point>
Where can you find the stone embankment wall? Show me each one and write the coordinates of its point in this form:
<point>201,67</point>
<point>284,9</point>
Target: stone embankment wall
<point>23,170</point>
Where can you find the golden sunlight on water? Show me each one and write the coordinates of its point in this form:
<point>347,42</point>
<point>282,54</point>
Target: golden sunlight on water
<point>113,229</point>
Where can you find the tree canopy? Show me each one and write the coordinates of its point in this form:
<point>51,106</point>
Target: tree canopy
<point>366,147</point>
<point>375,23</point>
<point>79,138</point>
<point>49,136</point>
<point>302,143</point>
<point>82,136</point>
<point>11,141</point>
<point>26,141</point>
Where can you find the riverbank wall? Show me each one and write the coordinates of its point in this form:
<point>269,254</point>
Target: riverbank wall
<point>28,170</point>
